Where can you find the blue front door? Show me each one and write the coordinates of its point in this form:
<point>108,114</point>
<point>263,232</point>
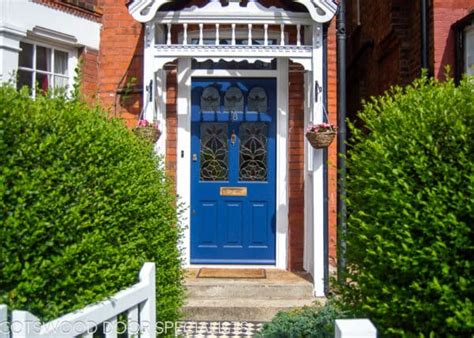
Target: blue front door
<point>233,171</point>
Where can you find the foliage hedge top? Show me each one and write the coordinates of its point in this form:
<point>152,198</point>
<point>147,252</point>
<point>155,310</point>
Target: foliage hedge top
<point>82,207</point>
<point>411,201</point>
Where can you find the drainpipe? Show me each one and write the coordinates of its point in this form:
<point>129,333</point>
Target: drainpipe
<point>341,140</point>
<point>424,36</point>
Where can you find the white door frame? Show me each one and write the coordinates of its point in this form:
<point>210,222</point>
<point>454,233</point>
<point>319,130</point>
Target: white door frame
<point>183,162</point>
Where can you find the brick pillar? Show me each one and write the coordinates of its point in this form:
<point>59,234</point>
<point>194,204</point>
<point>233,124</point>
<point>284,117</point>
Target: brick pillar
<point>296,168</point>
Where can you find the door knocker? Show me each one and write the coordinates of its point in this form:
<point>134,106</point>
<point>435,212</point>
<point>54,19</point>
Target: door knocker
<point>235,117</point>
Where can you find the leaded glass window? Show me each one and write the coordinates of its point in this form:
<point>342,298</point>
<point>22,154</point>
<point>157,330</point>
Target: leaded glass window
<point>214,152</point>
<point>233,100</point>
<point>257,100</point>
<point>210,100</point>
<point>253,151</point>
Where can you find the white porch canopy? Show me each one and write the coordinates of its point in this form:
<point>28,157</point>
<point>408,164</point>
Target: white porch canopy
<point>229,32</point>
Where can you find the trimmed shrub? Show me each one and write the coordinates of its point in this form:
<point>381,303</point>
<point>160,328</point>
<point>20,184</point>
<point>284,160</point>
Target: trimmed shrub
<point>312,321</point>
<point>411,210</point>
<point>83,205</point>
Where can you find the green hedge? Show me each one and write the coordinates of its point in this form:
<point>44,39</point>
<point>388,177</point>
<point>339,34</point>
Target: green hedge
<point>82,207</point>
<point>411,210</point>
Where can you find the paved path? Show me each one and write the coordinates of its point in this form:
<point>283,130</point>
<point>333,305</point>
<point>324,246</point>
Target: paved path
<point>206,329</point>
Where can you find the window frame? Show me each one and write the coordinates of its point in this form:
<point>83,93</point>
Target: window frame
<point>468,30</point>
<point>460,29</point>
<point>71,64</point>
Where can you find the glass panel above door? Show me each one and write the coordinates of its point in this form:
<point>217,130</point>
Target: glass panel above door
<point>210,100</point>
<point>257,100</point>
<point>233,100</point>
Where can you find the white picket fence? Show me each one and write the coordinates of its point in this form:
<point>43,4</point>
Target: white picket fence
<point>354,328</point>
<point>137,302</point>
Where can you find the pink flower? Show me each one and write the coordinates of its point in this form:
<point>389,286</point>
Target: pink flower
<point>146,123</point>
<point>320,127</point>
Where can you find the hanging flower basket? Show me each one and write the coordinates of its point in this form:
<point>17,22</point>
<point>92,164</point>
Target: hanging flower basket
<point>147,130</point>
<point>320,135</point>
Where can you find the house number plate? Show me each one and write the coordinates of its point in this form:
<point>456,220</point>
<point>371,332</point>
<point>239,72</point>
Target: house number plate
<point>233,191</point>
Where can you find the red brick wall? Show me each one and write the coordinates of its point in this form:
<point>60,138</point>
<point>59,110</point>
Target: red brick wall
<point>171,121</point>
<point>332,151</point>
<point>384,50</point>
<point>445,14</point>
<point>296,168</point>
<point>120,61</point>
<point>89,60</point>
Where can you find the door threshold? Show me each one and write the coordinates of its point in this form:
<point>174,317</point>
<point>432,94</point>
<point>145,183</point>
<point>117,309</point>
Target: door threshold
<point>230,266</point>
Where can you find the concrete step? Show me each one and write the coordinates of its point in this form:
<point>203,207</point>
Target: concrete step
<point>239,309</point>
<point>248,290</point>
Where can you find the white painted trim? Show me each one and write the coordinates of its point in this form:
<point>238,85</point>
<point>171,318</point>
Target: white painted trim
<point>183,169</point>
<point>30,16</point>
<point>183,144</point>
<point>282,165</point>
<point>308,259</point>
<point>317,168</point>
<point>234,73</point>
<point>226,33</point>
<point>160,106</point>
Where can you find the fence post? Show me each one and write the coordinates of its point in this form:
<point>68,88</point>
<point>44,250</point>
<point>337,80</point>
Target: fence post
<point>355,328</point>
<point>24,325</point>
<point>4,329</point>
<point>148,308</point>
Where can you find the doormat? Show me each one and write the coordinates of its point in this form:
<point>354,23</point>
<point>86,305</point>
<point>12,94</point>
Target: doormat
<point>231,273</point>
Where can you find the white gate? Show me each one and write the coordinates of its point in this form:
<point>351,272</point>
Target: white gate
<point>137,302</point>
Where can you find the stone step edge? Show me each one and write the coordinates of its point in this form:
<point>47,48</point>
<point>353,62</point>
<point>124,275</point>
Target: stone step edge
<point>247,303</point>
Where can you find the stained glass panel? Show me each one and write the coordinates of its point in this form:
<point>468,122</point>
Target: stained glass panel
<point>210,100</point>
<point>257,100</point>
<point>214,152</point>
<point>253,151</point>
<point>233,100</point>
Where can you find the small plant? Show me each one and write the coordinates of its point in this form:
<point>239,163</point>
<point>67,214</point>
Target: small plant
<point>146,123</point>
<point>321,128</point>
<point>321,135</point>
<point>147,130</point>
<point>310,321</point>
<point>128,89</point>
